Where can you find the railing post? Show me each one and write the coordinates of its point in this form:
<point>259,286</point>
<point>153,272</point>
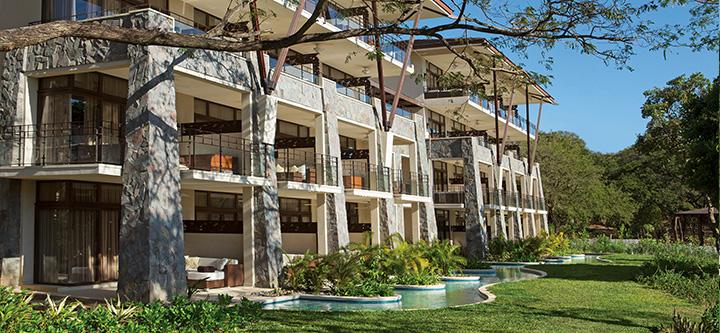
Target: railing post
<point>220,151</point>
<point>98,144</point>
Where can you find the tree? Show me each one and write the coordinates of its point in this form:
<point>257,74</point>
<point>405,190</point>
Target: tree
<point>575,191</point>
<point>608,30</point>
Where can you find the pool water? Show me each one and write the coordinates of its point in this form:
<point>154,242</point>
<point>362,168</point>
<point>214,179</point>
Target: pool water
<point>455,293</point>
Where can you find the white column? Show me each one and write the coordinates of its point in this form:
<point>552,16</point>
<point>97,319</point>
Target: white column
<point>248,238</point>
<point>375,222</point>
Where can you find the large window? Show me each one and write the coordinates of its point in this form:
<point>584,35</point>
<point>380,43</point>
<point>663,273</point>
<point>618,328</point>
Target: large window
<point>435,122</point>
<point>205,21</point>
<point>208,111</point>
<point>216,212</point>
<point>80,119</point>
<point>440,176</point>
<point>295,210</point>
<point>347,143</point>
<point>353,214</point>
<point>76,232</point>
<point>286,129</point>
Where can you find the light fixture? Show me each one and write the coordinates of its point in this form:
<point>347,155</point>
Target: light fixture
<point>365,70</point>
<point>317,48</point>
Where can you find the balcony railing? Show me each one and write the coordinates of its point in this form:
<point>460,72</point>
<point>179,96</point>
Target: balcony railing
<point>224,152</point>
<point>352,93</point>
<point>62,143</point>
<point>303,166</point>
<point>359,174</point>
<point>295,71</point>
<point>400,111</point>
<point>410,183</point>
<point>449,193</point>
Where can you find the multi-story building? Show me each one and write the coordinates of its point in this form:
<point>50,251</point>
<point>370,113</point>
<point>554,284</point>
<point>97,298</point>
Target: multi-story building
<point>117,160</point>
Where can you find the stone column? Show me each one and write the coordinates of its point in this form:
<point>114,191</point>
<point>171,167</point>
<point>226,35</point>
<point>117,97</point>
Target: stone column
<point>475,233</point>
<point>261,225</point>
<point>387,209</point>
<point>426,211</point>
<point>334,203</point>
<point>151,264</point>
<point>11,256</point>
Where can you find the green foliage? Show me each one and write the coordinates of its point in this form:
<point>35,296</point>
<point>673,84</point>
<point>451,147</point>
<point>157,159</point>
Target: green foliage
<point>363,269</point>
<point>19,314</point>
<point>528,249</point>
<point>681,324</point>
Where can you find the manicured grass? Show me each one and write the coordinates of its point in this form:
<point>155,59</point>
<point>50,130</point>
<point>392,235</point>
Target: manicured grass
<point>572,298</point>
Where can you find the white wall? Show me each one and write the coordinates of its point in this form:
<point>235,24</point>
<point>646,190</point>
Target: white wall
<point>27,216</point>
<point>299,243</point>
<point>214,245</point>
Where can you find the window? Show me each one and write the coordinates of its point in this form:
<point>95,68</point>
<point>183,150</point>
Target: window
<point>215,206</point>
<point>457,126</point>
<point>357,92</point>
<point>295,210</point>
<point>205,21</point>
<point>432,77</point>
<point>80,117</point>
<point>206,111</point>
<point>347,143</point>
<point>436,122</point>
<point>353,215</point>
<point>440,176</point>
<point>77,232</point>
<point>287,129</point>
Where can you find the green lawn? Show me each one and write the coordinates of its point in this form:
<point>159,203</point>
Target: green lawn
<point>572,298</point>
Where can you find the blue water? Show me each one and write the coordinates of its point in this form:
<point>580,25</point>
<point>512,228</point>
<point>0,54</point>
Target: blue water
<point>455,293</point>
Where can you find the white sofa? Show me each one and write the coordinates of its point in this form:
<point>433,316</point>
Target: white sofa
<point>214,279</point>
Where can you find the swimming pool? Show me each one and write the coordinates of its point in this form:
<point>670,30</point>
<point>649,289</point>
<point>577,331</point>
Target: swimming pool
<point>455,293</point>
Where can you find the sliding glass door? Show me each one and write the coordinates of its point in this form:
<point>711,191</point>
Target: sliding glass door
<point>77,232</point>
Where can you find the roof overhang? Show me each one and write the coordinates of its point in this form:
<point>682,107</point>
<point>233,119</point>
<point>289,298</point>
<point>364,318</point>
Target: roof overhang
<point>507,72</point>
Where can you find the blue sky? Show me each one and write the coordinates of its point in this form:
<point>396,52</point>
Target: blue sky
<point>601,103</point>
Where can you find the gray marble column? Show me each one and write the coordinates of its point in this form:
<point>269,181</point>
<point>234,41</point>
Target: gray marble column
<point>265,223</point>
<point>11,260</point>
<point>475,232</point>
<point>336,215</point>
<point>428,225</point>
<point>151,263</point>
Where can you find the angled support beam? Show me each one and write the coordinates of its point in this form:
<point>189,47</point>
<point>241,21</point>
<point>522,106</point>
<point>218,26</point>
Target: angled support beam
<point>284,52</point>
<point>531,160</point>
<point>378,60</point>
<point>496,105</point>
<point>527,125</point>
<point>406,62</point>
<point>260,53</point>
<point>508,115</point>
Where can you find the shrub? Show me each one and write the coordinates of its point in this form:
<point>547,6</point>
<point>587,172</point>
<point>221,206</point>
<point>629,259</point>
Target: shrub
<point>528,249</point>
<point>19,314</point>
<point>707,324</point>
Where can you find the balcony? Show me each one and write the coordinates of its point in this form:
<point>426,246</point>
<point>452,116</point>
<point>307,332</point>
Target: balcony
<point>453,194</point>
<point>361,175</point>
<point>478,111</point>
<point>62,144</point>
<point>225,153</point>
<point>306,166</point>
<point>410,184</point>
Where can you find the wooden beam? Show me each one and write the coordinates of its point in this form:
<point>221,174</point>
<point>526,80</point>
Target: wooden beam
<point>378,60</point>
<point>260,53</point>
<point>284,52</point>
<point>531,159</point>
<point>497,122</point>
<point>508,115</point>
<point>406,61</point>
<point>527,125</point>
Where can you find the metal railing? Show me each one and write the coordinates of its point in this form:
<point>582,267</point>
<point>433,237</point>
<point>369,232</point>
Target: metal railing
<point>449,193</point>
<point>352,92</point>
<point>224,152</point>
<point>400,111</point>
<point>303,166</point>
<point>409,183</point>
<point>359,174</point>
<point>295,71</point>
<point>62,143</point>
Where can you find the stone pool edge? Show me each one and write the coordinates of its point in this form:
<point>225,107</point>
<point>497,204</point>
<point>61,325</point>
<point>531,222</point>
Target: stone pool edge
<point>490,297</point>
<point>330,298</point>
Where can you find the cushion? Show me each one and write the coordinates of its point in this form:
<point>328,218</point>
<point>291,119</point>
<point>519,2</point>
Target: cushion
<point>220,264</point>
<point>191,262</point>
<point>279,168</point>
<point>206,269</point>
<point>211,276</point>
